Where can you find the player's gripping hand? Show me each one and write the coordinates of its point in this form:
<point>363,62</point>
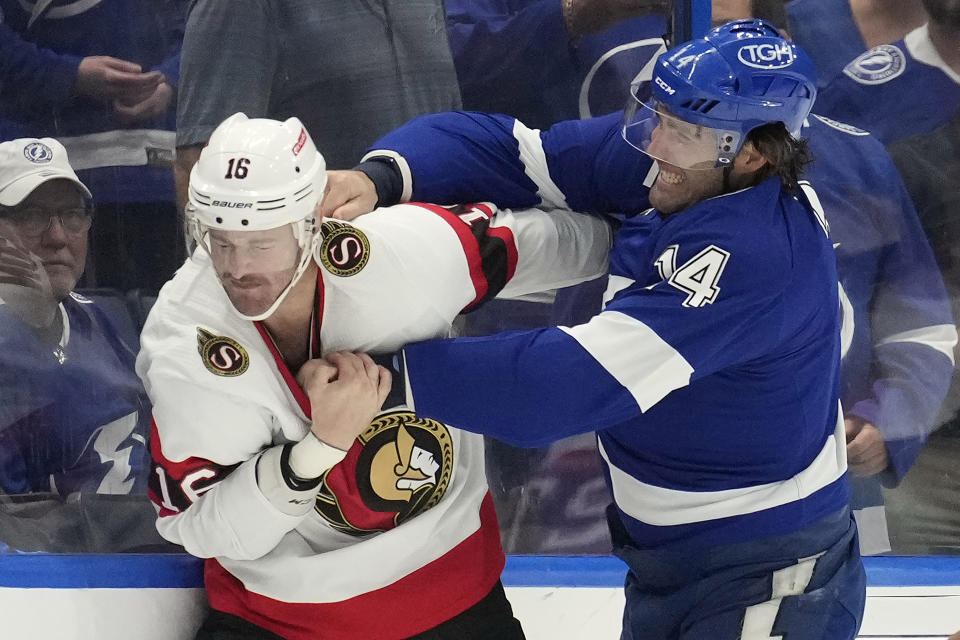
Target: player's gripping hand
<point>866,450</point>
<point>349,194</point>
<point>346,391</point>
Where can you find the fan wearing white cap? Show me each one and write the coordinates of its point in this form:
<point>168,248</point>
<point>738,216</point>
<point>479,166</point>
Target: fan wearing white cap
<point>45,214</point>
<point>272,459</point>
<point>74,416</point>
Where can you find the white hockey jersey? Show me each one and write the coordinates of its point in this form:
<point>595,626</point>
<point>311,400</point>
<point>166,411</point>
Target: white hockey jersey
<point>402,535</point>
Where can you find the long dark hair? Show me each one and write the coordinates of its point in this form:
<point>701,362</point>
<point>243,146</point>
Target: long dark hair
<point>786,155</point>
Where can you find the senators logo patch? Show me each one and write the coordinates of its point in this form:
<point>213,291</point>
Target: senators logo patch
<point>399,468</point>
<point>221,355</point>
<point>345,250</point>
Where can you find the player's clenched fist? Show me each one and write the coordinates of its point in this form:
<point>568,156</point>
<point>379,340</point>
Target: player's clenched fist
<point>346,390</point>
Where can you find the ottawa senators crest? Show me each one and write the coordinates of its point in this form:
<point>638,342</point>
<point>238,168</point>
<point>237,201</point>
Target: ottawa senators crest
<point>221,355</point>
<point>344,250</point>
<point>399,467</point>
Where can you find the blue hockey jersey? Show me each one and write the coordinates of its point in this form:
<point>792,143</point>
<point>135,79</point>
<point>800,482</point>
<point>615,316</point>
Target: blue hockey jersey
<point>711,376</point>
<point>895,91</point>
<point>73,416</point>
<point>899,356</point>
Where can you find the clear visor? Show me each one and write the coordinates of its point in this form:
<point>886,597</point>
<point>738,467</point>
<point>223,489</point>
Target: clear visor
<point>238,253</point>
<point>648,127</point>
<point>257,269</point>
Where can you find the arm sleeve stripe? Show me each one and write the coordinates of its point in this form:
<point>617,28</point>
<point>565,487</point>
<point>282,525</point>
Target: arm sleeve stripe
<point>941,337</point>
<point>491,252</point>
<point>534,160</point>
<point>175,473</point>
<point>649,368</point>
<point>402,165</point>
<point>471,249</point>
<point>504,255</point>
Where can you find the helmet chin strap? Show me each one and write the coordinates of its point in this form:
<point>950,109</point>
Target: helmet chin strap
<point>305,257</point>
<point>727,170</point>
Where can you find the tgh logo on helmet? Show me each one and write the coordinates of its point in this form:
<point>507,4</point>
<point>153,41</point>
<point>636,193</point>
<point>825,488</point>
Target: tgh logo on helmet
<point>766,56</point>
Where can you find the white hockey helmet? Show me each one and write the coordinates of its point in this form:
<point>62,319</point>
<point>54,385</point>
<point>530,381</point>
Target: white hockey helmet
<point>254,175</point>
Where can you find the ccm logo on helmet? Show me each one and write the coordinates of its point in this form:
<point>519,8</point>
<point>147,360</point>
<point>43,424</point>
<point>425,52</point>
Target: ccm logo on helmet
<point>663,85</point>
<point>766,56</point>
<point>231,205</point>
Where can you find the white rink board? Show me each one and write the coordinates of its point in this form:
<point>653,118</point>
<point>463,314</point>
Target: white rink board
<point>101,614</point>
<point>159,597</point>
<point>594,613</point>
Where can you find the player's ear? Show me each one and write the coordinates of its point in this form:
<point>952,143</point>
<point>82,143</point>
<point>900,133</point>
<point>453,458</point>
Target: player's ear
<point>749,159</point>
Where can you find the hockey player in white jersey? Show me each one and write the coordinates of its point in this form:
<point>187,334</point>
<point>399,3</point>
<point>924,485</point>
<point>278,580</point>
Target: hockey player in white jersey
<point>317,521</point>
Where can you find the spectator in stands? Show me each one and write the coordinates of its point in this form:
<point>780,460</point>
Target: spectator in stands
<point>101,77</point>
<point>908,94</point>
<point>350,70</point>
<point>543,61</point>
<point>837,31</point>
<point>73,415</point>
<point>43,79</point>
<point>924,514</point>
<point>904,89</point>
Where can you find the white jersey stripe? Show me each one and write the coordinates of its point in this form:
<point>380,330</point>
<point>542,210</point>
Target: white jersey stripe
<point>940,337</point>
<point>615,284</point>
<point>663,507</point>
<point>534,161</point>
<point>649,369</point>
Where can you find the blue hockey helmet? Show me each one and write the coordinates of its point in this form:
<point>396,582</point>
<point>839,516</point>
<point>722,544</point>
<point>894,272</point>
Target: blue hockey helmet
<point>711,92</point>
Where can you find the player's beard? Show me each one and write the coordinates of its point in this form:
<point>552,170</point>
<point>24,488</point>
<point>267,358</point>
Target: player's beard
<point>253,294</point>
<point>677,189</point>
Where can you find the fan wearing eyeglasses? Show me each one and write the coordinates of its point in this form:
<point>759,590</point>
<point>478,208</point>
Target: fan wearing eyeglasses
<point>73,415</point>
<point>43,238</point>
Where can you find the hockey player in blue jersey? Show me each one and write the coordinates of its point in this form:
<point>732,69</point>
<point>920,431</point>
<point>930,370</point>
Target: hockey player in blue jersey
<point>897,361</point>
<point>711,376</point>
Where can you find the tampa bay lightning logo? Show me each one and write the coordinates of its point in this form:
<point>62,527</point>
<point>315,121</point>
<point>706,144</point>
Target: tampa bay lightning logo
<point>38,153</point>
<point>880,64</point>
